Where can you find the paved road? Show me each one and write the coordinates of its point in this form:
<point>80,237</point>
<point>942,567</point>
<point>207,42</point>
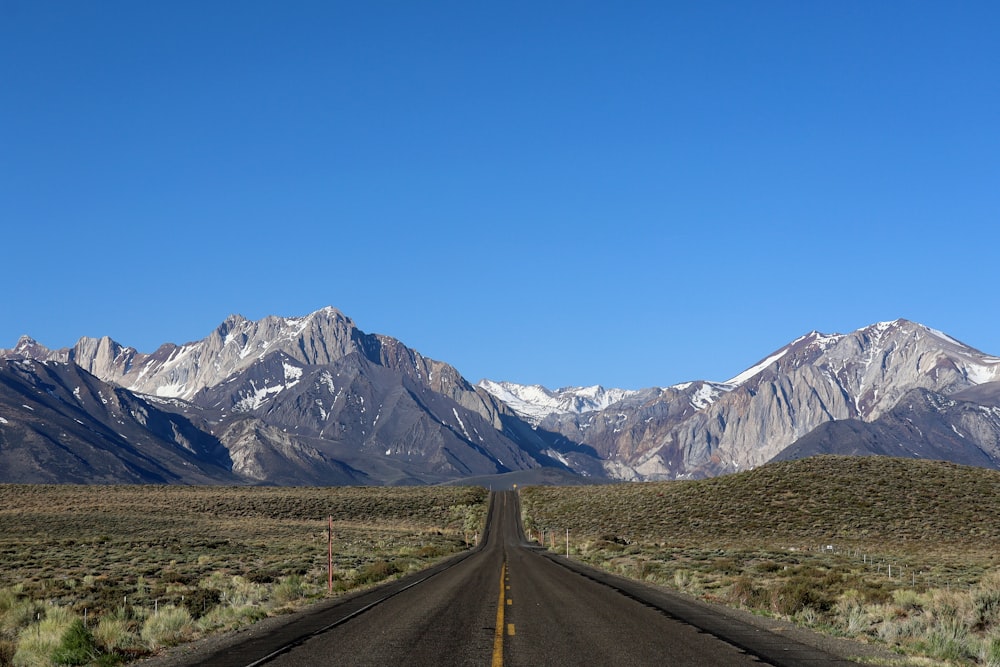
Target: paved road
<point>510,604</point>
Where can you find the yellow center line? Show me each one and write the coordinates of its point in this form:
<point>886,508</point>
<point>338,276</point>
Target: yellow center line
<point>498,632</point>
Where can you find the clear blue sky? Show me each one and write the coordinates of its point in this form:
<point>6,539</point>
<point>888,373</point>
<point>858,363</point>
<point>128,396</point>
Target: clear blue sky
<point>565,193</point>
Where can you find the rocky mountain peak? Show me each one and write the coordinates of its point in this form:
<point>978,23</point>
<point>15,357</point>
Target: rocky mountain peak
<point>28,347</point>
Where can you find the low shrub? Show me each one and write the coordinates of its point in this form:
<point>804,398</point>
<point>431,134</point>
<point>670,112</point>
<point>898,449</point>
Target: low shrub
<point>985,608</point>
<point>291,588</point>
<point>744,593</point>
<point>907,600</point>
<point>201,601</point>
<point>376,571</point>
<point>724,566</point>
<point>228,616</point>
<point>948,641</point>
<point>430,551</point>
<point>989,652</point>
<point>768,566</point>
<point>114,634</point>
<point>262,576</point>
<point>174,577</point>
<point>798,593</point>
<point>170,626</point>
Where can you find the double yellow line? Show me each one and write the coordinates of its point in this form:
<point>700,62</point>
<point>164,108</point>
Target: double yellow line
<point>502,602</point>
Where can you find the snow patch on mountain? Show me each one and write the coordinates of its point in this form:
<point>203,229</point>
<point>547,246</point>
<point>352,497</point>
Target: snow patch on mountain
<point>753,370</point>
<point>175,390</point>
<point>977,367</point>
<point>461,424</point>
<point>706,394</point>
<point>292,374</point>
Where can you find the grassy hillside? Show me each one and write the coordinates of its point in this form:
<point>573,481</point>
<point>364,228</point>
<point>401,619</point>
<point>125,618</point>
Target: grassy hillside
<point>912,504</point>
<point>127,569</point>
<point>899,551</point>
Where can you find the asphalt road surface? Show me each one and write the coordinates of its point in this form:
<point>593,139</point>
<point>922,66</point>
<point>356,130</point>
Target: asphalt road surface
<point>508,603</point>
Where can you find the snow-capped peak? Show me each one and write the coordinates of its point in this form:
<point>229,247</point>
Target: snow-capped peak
<point>25,343</point>
<point>535,402</point>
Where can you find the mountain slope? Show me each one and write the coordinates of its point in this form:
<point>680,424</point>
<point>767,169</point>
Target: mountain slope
<point>58,423</point>
<point>367,416</point>
<point>962,428</point>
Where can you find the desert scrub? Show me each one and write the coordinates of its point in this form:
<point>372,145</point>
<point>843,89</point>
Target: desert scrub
<point>290,589</point>
<point>39,641</point>
<point>167,627</point>
<point>849,500</point>
<point>375,572</point>
<point>116,634</point>
<point>130,558</point>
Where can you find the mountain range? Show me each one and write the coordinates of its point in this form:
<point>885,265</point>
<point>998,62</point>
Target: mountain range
<point>314,400</point>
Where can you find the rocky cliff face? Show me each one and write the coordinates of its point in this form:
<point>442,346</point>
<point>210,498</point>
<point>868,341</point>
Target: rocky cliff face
<point>962,428</point>
<point>181,371</point>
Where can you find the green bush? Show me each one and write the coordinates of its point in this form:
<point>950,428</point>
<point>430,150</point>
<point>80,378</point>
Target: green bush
<point>228,616</point>
<point>77,646</point>
<point>989,652</point>
<point>907,600</point>
<point>768,566</point>
<point>173,577</point>
<point>724,566</point>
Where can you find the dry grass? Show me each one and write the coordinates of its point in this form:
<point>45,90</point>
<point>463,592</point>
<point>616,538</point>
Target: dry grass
<point>148,566</point>
<point>899,551</point>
